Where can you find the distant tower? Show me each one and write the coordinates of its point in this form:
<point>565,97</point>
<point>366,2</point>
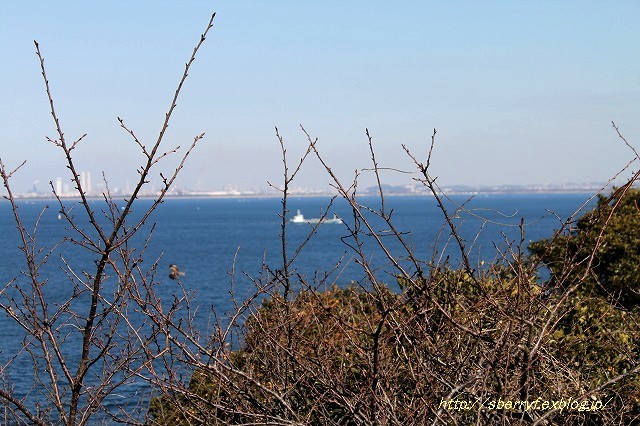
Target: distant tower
<point>83,181</point>
<point>59,186</point>
<point>88,182</point>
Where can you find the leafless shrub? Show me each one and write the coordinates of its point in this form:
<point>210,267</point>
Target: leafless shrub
<point>99,334</point>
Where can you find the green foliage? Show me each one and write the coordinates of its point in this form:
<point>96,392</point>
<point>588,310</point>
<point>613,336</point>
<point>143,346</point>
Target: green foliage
<point>599,330</point>
<point>604,249</point>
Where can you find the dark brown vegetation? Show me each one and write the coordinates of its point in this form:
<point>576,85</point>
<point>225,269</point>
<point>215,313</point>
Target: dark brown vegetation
<point>431,343</point>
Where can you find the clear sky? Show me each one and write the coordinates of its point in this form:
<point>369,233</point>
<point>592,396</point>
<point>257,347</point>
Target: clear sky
<point>520,92</point>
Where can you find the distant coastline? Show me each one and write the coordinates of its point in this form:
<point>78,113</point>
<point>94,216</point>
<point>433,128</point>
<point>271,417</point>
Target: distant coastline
<point>389,190</point>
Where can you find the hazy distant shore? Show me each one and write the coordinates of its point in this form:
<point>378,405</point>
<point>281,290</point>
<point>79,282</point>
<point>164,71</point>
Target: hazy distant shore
<point>369,192</point>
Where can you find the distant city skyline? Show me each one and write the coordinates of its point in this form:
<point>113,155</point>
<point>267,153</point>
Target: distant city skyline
<point>65,190</point>
<point>521,93</point>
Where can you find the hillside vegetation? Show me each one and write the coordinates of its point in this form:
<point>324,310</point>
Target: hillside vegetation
<point>452,347</point>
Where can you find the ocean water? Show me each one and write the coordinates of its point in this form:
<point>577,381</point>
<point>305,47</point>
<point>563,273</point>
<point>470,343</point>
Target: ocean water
<point>208,238</point>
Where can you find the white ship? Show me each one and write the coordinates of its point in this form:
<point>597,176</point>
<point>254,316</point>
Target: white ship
<point>299,218</point>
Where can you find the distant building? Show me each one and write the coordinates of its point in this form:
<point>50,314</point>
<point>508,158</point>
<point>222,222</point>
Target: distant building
<point>85,182</point>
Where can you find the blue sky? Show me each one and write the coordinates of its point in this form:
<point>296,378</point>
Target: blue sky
<point>520,92</point>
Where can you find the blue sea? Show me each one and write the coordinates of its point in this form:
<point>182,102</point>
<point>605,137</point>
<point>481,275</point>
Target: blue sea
<point>208,238</point>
